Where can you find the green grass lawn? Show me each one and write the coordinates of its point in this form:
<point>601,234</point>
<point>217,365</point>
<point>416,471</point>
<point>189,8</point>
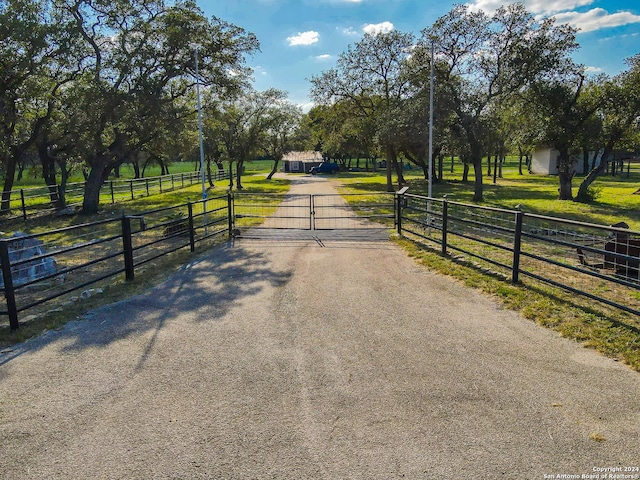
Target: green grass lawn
<point>536,194</point>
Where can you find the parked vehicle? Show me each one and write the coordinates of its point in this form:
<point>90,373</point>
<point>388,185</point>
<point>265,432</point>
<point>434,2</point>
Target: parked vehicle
<point>325,167</point>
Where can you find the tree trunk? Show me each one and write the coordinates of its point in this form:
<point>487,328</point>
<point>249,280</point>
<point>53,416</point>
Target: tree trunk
<point>99,173</point>
<point>389,161</point>
<point>397,165</point>
<point>239,168</point>
<point>565,192</point>
<point>477,186</point>
<point>10,174</point>
<point>520,161</point>
<point>11,162</point>
<point>594,173</point>
<point>425,170</point>
<point>230,175</point>
<point>62,188</point>
<point>21,167</point>
<point>49,174</point>
<point>585,160</point>
<point>209,178</point>
<point>164,170</point>
<point>565,175</point>
<point>465,172</point>
<point>274,169</point>
<point>136,168</point>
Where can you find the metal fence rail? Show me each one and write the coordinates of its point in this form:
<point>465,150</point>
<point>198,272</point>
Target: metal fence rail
<point>314,211</point>
<point>38,201</point>
<point>595,261</point>
<point>598,262</point>
<point>272,211</point>
<point>40,268</point>
<point>353,211</point>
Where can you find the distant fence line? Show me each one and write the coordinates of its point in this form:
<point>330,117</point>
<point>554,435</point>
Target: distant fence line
<point>37,201</point>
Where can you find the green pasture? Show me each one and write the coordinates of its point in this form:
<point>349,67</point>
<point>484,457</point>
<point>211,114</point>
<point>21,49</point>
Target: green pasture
<point>536,194</point>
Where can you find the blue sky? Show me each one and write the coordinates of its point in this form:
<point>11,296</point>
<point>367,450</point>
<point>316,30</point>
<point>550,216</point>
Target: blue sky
<point>302,38</point>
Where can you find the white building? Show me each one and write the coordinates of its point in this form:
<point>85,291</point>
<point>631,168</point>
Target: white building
<point>544,161</point>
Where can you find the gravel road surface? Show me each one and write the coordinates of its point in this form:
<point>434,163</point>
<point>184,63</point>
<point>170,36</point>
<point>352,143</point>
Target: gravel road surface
<point>305,358</point>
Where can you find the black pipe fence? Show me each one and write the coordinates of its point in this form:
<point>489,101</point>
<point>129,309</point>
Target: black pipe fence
<point>55,265</point>
<point>37,201</point>
<point>598,262</point>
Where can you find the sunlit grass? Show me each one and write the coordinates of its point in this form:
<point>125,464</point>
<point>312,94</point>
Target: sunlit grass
<point>611,333</point>
<point>536,194</point>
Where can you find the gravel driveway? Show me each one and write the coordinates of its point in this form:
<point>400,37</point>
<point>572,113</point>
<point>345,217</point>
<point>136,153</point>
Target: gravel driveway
<point>294,358</point>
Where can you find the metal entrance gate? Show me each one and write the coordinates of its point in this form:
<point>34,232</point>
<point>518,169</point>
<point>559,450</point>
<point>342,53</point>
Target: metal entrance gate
<point>313,212</point>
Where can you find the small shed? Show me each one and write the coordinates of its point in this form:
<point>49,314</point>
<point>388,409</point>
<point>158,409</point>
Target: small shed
<point>301,162</point>
<point>544,161</point>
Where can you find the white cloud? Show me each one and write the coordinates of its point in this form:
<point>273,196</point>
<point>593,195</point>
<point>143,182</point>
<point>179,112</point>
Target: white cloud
<point>304,38</point>
<point>350,32</point>
<point>376,28</point>
<point>259,69</point>
<point>593,70</point>
<point>306,106</point>
<point>596,19</point>
<point>564,12</point>
<point>546,7</point>
<point>323,57</point>
<point>618,37</point>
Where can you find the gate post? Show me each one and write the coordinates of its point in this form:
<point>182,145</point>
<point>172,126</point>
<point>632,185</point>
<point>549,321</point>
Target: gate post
<point>401,202</point>
<point>230,213</point>
<point>517,241</point>
<point>9,291</point>
<point>192,232</point>
<point>445,223</point>
<point>312,213</point>
<point>127,247</point>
